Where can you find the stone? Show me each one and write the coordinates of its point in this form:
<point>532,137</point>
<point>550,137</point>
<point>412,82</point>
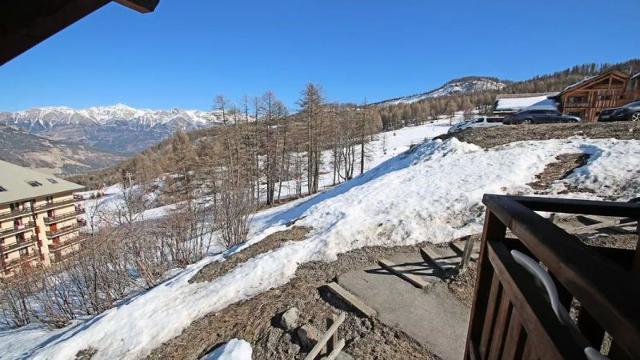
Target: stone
<point>290,318</point>
<point>341,356</point>
<point>308,336</point>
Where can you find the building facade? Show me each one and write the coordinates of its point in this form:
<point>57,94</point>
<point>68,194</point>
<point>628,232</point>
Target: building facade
<point>39,218</point>
<point>588,97</point>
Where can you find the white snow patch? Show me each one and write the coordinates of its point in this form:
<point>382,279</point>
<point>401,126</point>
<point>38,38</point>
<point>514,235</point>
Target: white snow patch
<point>432,193</point>
<point>235,349</point>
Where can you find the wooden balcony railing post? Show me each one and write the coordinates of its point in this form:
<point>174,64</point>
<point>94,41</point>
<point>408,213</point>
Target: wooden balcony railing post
<point>511,314</point>
<point>494,230</point>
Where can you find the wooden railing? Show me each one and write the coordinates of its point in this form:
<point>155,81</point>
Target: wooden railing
<point>53,204</point>
<point>18,244</point>
<point>62,231</point>
<point>15,213</point>
<point>77,240</point>
<point>63,217</point>
<point>16,229</point>
<point>8,264</point>
<point>512,317</point>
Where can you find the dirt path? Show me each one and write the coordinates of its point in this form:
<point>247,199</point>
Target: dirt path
<point>255,320</point>
<point>431,315</point>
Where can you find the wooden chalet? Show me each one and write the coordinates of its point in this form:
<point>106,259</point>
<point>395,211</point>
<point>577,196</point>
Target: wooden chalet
<point>588,97</point>
<point>25,23</point>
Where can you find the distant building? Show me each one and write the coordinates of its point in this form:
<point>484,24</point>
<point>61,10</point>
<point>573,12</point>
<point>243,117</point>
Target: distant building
<point>588,97</point>
<point>507,104</point>
<point>38,218</point>
<point>633,89</point>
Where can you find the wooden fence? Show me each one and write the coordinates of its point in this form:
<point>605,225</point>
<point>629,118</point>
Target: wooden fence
<point>512,316</point>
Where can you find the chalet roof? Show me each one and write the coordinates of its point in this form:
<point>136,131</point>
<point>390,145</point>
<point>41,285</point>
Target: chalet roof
<point>636,75</point>
<point>16,183</point>
<point>526,101</point>
<point>592,79</point>
<point>525,95</point>
<point>26,23</point>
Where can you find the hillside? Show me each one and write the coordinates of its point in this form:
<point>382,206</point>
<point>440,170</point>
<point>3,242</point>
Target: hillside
<point>385,207</point>
<point>119,128</point>
<point>463,85</point>
<point>59,157</point>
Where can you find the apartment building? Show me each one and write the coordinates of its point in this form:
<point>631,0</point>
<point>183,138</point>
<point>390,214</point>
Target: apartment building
<point>38,218</point>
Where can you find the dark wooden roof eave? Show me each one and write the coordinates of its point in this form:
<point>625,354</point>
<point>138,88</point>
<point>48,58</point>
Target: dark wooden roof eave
<point>25,23</point>
<point>587,82</point>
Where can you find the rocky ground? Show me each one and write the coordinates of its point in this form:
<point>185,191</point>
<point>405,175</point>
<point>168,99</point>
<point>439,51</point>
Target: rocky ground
<point>259,320</point>
<point>502,135</point>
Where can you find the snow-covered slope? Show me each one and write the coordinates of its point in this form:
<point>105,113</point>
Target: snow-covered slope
<point>463,85</point>
<point>430,193</point>
<point>117,128</point>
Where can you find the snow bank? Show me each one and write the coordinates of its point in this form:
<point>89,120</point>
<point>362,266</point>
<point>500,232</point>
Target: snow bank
<point>233,350</point>
<point>431,193</point>
<point>529,103</point>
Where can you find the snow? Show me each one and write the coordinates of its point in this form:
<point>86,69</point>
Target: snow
<point>532,102</point>
<point>233,350</point>
<point>430,193</point>
<point>452,87</point>
<point>103,115</point>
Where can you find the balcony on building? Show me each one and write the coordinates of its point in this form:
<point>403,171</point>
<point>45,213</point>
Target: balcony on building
<point>62,231</point>
<point>19,244</point>
<point>16,229</point>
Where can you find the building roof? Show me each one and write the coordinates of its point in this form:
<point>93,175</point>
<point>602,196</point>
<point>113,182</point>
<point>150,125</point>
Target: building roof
<point>636,76</point>
<point>513,104</point>
<point>26,23</point>
<point>591,79</point>
<point>526,95</point>
<point>15,180</point>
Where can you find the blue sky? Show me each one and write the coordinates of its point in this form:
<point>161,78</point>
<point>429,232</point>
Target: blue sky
<point>188,51</point>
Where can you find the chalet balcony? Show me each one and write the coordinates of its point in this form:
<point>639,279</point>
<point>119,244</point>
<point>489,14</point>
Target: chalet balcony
<point>19,261</point>
<point>54,204</point>
<point>62,231</point>
<point>16,229</point>
<point>529,278</point>
<point>19,245</point>
<point>71,242</point>
<point>15,213</point>
<point>63,217</point>
<point>580,105</point>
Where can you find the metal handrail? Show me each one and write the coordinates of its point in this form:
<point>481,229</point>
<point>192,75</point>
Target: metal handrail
<point>552,292</point>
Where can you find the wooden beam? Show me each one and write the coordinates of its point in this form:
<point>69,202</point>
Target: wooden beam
<point>414,280</point>
<point>25,23</point>
<point>142,6</point>
<point>351,299</point>
<point>327,335</point>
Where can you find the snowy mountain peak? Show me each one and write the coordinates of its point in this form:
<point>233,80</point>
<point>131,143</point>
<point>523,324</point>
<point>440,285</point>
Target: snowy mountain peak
<point>119,128</point>
<point>51,116</point>
<point>463,85</point>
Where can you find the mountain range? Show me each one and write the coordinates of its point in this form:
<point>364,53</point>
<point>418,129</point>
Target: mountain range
<point>116,129</point>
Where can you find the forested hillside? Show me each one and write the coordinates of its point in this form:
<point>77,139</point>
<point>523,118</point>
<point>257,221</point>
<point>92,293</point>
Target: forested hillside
<point>400,114</point>
<point>277,145</point>
<point>277,148</point>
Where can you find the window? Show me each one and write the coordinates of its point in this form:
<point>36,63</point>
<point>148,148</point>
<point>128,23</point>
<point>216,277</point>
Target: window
<point>2,189</point>
<point>53,181</point>
<point>577,99</point>
<point>34,183</point>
